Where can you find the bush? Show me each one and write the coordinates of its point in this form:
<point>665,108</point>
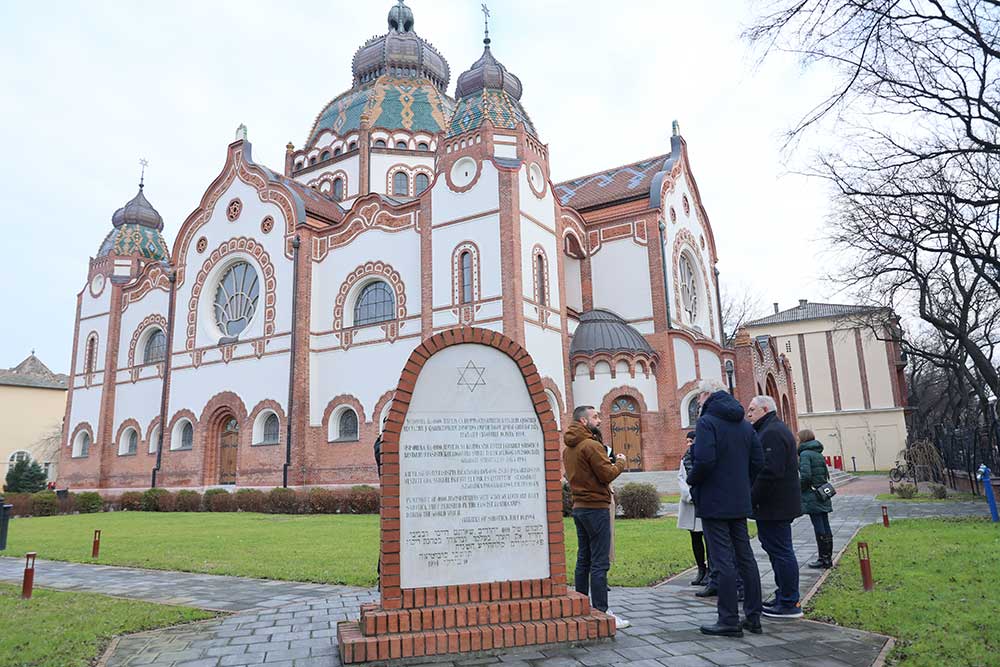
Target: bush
<point>151,500</point>
<point>219,500</point>
<point>906,490</point>
<point>67,504</point>
<point>89,502</point>
<point>167,502</point>
<point>21,502</point>
<point>250,500</point>
<point>325,501</point>
<point>938,492</point>
<point>567,500</point>
<point>131,501</point>
<point>188,501</point>
<point>638,501</point>
<point>363,499</point>
<point>281,501</point>
<point>44,503</point>
<point>25,477</point>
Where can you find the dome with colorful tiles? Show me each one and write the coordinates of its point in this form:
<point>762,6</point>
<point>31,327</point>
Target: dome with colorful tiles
<point>136,231</point>
<point>488,90</point>
<point>399,83</point>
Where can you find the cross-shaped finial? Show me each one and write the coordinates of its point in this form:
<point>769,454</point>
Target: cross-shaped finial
<point>486,23</point>
<point>142,176</point>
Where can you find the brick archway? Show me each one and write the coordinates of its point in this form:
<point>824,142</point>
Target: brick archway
<point>217,413</point>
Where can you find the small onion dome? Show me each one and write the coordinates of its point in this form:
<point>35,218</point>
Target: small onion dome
<point>400,52</point>
<point>488,90</point>
<point>601,331</point>
<point>138,212</point>
<point>487,72</point>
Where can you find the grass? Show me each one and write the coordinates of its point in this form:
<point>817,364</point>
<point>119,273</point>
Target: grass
<point>57,629</point>
<point>328,548</point>
<point>935,590</point>
<point>670,497</point>
<point>927,498</point>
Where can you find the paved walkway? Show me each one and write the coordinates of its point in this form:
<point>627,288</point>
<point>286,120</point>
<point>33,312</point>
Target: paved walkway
<point>287,624</point>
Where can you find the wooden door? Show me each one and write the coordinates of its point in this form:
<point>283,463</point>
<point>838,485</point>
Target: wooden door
<point>228,445</point>
<point>626,432</point>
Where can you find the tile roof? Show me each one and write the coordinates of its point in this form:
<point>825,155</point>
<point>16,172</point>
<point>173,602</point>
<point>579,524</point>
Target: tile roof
<point>812,311</point>
<point>603,331</point>
<point>625,182</point>
<point>32,373</point>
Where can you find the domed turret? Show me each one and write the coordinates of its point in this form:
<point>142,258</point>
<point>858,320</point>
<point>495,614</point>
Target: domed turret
<point>400,82</point>
<point>136,231</point>
<point>488,90</point>
<point>487,72</point>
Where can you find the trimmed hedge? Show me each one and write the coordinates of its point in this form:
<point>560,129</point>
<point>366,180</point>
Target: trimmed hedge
<point>89,502</point>
<point>250,500</point>
<point>188,501</point>
<point>219,500</point>
<point>152,500</point>
<point>44,503</point>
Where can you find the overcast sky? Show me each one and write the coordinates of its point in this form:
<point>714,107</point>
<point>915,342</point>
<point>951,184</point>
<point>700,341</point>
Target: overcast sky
<point>90,87</point>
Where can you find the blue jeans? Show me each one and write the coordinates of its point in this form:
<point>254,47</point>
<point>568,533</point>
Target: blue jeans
<point>593,540</point>
<point>730,551</point>
<point>776,538</point>
<point>821,523</point>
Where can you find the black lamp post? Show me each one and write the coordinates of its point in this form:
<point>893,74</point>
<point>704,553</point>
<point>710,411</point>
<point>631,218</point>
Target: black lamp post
<point>729,374</point>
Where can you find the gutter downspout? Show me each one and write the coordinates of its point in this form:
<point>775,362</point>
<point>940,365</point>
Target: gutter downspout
<point>718,305</point>
<point>663,265</point>
<point>291,362</point>
<point>172,277</point>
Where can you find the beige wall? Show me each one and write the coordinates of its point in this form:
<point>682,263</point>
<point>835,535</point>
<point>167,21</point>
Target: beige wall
<point>27,415</point>
<point>847,434</point>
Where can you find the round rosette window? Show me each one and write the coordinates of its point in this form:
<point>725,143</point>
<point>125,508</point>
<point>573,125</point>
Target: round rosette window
<point>236,299</point>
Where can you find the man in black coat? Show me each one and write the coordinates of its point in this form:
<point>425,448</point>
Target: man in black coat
<point>777,501</point>
<point>726,457</point>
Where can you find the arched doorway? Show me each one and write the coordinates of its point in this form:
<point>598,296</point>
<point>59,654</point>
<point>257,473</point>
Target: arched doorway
<point>626,431</point>
<point>772,391</point>
<point>229,440</point>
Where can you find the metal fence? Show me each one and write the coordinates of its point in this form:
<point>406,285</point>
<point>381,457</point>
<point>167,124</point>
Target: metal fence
<point>963,450</point>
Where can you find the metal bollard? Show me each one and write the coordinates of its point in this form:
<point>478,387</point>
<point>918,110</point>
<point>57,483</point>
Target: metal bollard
<point>95,550</point>
<point>885,516</point>
<point>984,476</point>
<point>866,566</point>
<point>28,582</point>
<point>5,513</point>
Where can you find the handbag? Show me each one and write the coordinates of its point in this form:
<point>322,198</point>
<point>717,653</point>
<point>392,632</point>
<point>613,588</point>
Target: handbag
<point>825,491</point>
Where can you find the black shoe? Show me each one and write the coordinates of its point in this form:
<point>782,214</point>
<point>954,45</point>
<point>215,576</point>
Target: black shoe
<point>700,579</point>
<point>818,564</point>
<point>709,591</point>
<point>717,630</point>
<point>783,612</point>
<point>752,626</point>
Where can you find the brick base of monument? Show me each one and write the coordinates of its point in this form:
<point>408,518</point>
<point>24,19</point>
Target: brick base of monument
<point>491,621</point>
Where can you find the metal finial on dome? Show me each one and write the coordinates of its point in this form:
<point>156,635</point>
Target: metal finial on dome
<point>142,174</point>
<point>486,25</point>
<point>676,128</point>
<point>401,18</point>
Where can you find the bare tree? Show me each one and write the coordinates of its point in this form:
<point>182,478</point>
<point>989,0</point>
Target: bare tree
<point>739,306</point>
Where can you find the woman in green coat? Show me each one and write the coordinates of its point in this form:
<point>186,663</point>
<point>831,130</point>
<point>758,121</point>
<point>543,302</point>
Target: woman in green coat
<point>813,473</point>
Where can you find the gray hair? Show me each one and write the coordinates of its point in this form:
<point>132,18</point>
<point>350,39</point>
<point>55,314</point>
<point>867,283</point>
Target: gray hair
<point>766,402</point>
<point>580,412</point>
<point>710,386</point>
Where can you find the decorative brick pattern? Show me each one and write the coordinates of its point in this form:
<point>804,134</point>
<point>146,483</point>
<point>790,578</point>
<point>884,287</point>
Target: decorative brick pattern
<point>469,617</point>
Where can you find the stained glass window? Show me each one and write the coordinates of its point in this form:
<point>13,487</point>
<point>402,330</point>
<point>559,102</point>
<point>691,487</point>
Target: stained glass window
<point>348,425</point>
<point>624,404</point>
<point>689,289</point>
<point>236,299</point>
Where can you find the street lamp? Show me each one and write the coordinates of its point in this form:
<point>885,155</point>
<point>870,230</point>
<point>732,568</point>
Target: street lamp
<point>729,374</point>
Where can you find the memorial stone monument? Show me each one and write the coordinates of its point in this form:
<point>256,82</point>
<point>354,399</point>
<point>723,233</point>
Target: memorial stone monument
<point>473,556</point>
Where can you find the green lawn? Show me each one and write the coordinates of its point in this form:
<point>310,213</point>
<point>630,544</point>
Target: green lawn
<point>670,497</point>
<point>935,590</point>
<point>326,548</point>
<point>926,497</point>
<point>57,629</point>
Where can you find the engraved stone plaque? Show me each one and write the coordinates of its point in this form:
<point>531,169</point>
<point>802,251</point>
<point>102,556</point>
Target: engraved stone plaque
<point>472,474</point>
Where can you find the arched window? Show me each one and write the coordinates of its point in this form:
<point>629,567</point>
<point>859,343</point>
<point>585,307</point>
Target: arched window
<point>156,347</point>
<point>380,143</point>
<point>465,262</point>
<point>400,183</point>
<point>347,425</point>
<point>298,165</point>
<point>421,182</point>
<point>337,151</point>
<point>84,448</point>
<point>375,304</point>
<point>694,411</point>
<point>540,272</point>
<point>19,456</point>
<point>422,146</point>
<point>187,436</point>
<point>236,299</point>
<point>154,440</point>
<point>624,404</point>
<point>338,189</point>
<point>129,443</point>
<point>352,146</point>
<point>325,155</point>
<point>312,160</point>
<point>689,288</point>
<point>270,430</point>
<point>90,359</point>
<point>401,145</point>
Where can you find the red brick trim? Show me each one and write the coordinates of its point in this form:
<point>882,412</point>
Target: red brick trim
<point>268,405</point>
<point>153,425</point>
<point>833,370</point>
<point>153,276</point>
<point>609,398</point>
<point>168,438</point>
<point>90,350</point>
<point>340,401</point>
<point>233,209</point>
<point>267,224</point>
<point>685,240</point>
<point>862,369</point>
<point>411,172</point>
<point>466,312</point>
<point>82,426</point>
<point>219,408</point>
<point>804,365</point>
<point>327,179</point>
<point>128,423</point>
<point>245,247</point>
<point>380,270</point>
<point>157,320</point>
<point>380,405</point>
<point>551,385</point>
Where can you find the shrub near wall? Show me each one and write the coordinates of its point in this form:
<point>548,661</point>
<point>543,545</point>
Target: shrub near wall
<point>131,501</point>
<point>638,501</point>
<point>250,500</point>
<point>44,503</point>
<point>363,499</point>
<point>282,501</point>
<point>219,500</point>
<point>89,502</point>
<point>188,501</point>
<point>21,502</point>
<point>152,500</point>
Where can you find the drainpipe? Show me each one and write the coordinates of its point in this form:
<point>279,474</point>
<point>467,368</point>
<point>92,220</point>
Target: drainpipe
<point>291,362</point>
<point>718,306</point>
<point>172,277</point>
<point>663,265</point>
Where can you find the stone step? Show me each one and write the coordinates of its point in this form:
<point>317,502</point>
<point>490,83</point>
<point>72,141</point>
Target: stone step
<point>355,647</point>
<point>839,478</point>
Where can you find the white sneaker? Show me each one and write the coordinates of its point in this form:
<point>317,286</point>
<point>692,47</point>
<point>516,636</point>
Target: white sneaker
<point>619,621</point>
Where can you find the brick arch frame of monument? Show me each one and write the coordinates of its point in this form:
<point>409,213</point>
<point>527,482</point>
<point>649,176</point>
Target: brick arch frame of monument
<point>499,604</point>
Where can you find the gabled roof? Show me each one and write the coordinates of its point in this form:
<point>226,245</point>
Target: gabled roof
<point>812,311</point>
<point>314,201</point>
<point>624,182</point>
<point>32,373</point>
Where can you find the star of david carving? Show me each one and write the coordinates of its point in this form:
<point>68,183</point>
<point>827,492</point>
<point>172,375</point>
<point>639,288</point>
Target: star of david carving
<point>471,376</point>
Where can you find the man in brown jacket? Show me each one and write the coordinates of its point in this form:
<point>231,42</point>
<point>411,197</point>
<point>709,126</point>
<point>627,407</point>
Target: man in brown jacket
<point>590,470</point>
